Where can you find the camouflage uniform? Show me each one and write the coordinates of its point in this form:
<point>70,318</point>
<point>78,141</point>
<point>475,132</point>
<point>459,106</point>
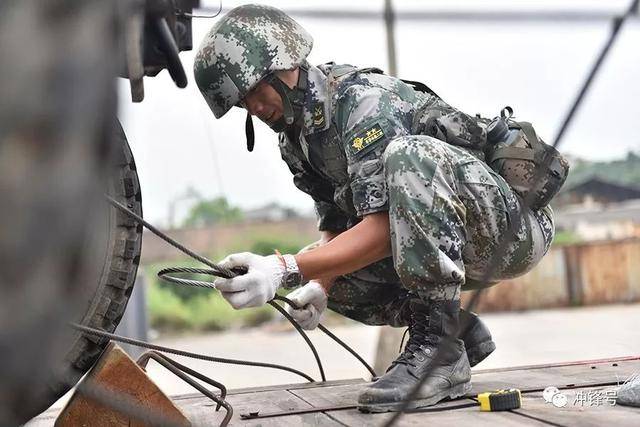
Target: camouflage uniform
<point>360,142</point>
<point>369,143</point>
<point>364,147</point>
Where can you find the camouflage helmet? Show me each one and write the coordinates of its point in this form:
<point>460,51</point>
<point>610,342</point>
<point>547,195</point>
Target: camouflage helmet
<point>243,47</point>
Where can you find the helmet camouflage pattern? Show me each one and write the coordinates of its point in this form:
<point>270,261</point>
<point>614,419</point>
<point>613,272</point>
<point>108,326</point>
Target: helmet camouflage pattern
<point>242,48</point>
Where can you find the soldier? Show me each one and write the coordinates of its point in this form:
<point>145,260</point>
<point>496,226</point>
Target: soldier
<point>407,219</point>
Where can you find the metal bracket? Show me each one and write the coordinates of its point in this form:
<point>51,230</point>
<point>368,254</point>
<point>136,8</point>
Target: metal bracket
<point>181,372</point>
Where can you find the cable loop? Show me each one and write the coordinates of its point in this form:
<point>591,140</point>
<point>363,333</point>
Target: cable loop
<point>219,271</point>
<point>164,275</point>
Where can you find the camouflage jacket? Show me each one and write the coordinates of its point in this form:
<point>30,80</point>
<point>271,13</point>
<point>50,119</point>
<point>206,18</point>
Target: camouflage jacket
<point>349,118</point>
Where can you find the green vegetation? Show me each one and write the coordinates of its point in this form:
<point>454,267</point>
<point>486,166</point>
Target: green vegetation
<point>176,308</point>
<point>565,237</point>
<point>624,171</point>
<point>209,312</point>
<point>267,246</point>
<point>214,211</point>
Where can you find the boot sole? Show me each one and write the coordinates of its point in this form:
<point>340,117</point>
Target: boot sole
<point>479,352</point>
<point>452,393</point>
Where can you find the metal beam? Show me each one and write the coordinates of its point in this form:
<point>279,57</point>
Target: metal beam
<point>447,15</point>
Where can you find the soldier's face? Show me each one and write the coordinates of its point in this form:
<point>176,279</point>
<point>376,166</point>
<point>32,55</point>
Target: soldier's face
<point>264,102</point>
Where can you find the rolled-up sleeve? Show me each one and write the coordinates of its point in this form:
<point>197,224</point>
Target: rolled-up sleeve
<point>330,218</point>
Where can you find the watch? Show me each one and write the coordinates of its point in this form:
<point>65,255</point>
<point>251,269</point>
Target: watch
<point>292,278</point>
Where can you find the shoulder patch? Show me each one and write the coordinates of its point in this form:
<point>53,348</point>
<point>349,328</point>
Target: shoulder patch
<point>366,137</point>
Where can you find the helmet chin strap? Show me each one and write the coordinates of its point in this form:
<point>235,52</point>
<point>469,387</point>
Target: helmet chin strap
<point>248,130</point>
<point>292,104</point>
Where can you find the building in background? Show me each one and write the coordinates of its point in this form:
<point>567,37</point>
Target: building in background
<point>599,209</point>
<point>271,212</point>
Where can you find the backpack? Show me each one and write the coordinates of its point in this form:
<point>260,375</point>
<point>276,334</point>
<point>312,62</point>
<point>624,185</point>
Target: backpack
<point>535,170</point>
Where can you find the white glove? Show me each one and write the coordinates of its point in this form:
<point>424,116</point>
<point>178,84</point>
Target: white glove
<point>312,300</point>
<point>257,286</point>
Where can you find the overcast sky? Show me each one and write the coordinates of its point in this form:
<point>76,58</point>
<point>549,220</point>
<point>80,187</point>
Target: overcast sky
<point>537,67</point>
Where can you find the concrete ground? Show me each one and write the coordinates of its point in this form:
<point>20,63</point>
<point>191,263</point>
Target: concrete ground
<point>523,338</point>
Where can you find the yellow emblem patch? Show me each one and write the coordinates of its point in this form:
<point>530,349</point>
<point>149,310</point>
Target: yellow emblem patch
<point>366,138</point>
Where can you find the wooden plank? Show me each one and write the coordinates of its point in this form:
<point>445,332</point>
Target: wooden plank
<point>198,407</point>
<point>560,364</point>
<point>575,414</point>
<point>292,386</point>
<point>344,395</point>
<point>444,413</point>
<point>558,376</point>
<point>344,392</point>
<point>201,411</point>
<point>447,418</point>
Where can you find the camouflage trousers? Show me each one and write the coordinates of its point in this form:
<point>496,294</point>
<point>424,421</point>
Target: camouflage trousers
<point>455,224</point>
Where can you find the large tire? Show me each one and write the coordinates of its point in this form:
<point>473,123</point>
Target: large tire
<point>106,299</point>
<point>56,232</point>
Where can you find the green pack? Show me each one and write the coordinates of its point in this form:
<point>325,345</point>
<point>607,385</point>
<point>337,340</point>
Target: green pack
<point>535,170</point>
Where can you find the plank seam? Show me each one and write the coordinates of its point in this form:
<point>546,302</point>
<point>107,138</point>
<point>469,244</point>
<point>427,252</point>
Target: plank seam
<point>325,413</point>
<point>551,423</point>
<point>558,365</point>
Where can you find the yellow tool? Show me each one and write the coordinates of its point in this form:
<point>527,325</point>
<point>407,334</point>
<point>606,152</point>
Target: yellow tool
<point>500,400</point>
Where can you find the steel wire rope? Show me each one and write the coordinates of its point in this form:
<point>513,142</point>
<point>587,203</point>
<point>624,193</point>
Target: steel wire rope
<point>446,344</point>
<point>618,22</point>
<point>216,270</point>
<point>184,372</point>
<point>93,331</point>
<point>302,333</point>
<point>220,271</point>
<point>164,273</point>
<point>333,337</point>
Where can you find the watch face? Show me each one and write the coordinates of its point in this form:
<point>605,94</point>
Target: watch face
<point>292,279</point>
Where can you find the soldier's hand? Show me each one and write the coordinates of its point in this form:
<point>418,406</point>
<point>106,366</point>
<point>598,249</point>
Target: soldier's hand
<point>257,286</point>
<point>311,300</point>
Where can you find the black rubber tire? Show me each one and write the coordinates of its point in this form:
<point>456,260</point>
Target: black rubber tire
<point>109,297</point>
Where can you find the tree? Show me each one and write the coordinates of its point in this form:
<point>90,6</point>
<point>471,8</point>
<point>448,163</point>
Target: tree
<point>214,211</point>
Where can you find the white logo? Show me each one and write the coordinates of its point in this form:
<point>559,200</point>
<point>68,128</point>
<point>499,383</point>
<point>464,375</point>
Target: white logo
<point>555,397</point>
<point>587,397</point>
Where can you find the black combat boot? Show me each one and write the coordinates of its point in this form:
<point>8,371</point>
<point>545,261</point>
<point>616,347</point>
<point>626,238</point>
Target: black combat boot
<point>432,347</point>
<point>476,336</point>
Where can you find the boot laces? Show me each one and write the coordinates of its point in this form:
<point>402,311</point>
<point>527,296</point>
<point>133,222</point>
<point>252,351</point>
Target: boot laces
<point>418,337</point>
